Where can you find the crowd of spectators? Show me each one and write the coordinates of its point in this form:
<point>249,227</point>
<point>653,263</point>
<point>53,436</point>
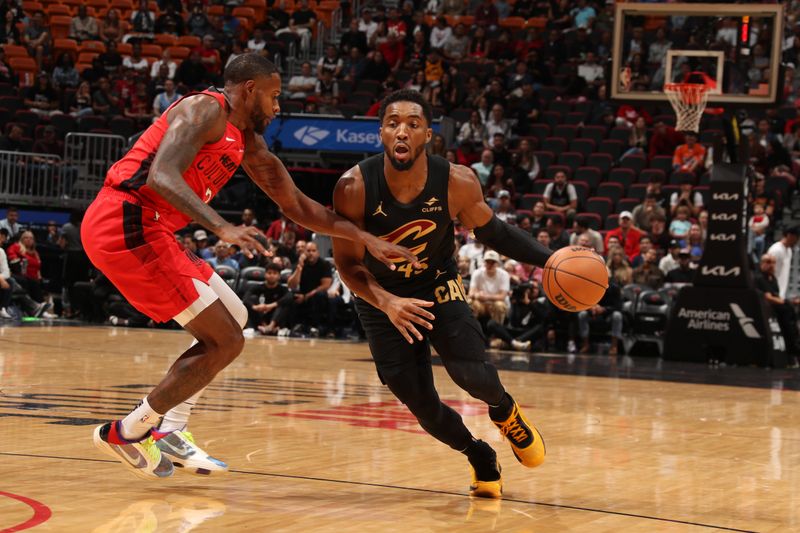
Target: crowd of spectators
<point>532,119</point>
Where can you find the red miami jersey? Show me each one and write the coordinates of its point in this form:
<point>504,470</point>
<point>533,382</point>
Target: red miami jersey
<point>211,169</point>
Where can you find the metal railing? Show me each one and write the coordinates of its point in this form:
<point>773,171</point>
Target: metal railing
<point>30,178</point>
<point>91,154</point>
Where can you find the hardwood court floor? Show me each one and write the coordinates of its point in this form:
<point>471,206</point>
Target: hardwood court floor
<point>315,443</point>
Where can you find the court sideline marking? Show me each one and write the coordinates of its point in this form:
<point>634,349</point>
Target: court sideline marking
<point>415,489</point>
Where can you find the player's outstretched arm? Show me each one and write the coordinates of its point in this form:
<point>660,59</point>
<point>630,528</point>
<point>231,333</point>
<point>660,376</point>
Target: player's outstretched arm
<point>468,205</point>
<point>268,172</point>
<point>348,201</point>
<point>193,123</point>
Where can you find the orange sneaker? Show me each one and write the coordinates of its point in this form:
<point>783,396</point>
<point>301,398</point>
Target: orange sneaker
<point>526,441</point>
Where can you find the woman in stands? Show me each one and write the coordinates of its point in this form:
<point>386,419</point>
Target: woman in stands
<point>26,265</point>
<point>110,28</point>
<point>618,268</point>
<point>80,103</point>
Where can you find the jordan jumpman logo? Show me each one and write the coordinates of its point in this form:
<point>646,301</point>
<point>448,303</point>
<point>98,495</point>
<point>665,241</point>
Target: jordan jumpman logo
<point>379,211</point>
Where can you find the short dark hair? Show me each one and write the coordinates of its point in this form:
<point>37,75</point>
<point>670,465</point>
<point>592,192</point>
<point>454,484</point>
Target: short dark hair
<point>792,230</point>
<point>582,223</point>
<point>650,196</point>
<point>248,67</point>
<point>273,266</point>
<point>407,95</point>
<point>13,209</point>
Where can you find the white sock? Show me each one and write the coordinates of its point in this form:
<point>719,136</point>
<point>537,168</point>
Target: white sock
<point>139,421</point>
<point>177,417</point>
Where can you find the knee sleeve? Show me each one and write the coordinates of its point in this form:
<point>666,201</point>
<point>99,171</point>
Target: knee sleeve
<point>229,299</point>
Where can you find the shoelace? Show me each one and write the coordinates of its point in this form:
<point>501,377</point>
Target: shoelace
<point>188,435</point>
<point>513,428</point>
<point>149,447</point>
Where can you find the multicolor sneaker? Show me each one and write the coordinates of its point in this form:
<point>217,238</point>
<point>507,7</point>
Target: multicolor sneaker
<point>142,457</point>
<point>526,441</point>
<point>180,448</point>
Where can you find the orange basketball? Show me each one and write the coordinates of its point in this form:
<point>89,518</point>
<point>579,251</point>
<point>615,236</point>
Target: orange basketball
<point>575,278</point>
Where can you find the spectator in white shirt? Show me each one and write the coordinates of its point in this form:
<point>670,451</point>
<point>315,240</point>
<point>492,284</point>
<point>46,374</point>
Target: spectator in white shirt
<point>782,252</point>
<point>257,42</point>
<point>590,70</point>
<point>472,252</point>
<point>135,61</point>
<point>489,288</point>
<point>303,85</point>
<point>496,124</point>
<point>440,33</point>
<point>10,223</point>
<point>166,59</point>
<point>366,24</point>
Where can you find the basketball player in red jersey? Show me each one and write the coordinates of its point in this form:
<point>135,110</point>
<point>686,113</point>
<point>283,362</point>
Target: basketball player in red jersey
<point>410,197</point>
<point>167,179</point>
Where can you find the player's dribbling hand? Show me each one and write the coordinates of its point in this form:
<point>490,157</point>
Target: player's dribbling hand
<point>248,238</point>
<point>405,312</point>
<point>383,251</point>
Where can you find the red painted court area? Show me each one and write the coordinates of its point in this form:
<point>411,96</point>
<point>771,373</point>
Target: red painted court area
<point>41,513</point>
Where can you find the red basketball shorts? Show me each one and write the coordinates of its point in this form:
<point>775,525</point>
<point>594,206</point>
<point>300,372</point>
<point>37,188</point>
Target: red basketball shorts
<point>140,255</point>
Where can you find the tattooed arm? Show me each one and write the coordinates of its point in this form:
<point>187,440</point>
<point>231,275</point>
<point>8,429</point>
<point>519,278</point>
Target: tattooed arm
<point>269,173</point>
<point>193,123</point>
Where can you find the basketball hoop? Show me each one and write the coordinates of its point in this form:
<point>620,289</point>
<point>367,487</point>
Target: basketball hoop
<point>689,101</point>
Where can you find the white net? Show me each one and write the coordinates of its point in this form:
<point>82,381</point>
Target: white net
<point>689,101</point>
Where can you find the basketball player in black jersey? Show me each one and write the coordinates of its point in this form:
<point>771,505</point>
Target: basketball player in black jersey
<point>408,197</point>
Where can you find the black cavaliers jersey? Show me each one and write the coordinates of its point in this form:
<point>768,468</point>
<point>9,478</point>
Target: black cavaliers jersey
<point>423,226</point>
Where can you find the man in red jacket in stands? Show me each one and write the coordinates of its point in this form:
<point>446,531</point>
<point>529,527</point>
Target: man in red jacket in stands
<point>628,235</point>
<point>664,140</point>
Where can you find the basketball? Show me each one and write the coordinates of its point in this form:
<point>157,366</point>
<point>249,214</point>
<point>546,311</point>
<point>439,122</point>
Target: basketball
<point>575,278</point>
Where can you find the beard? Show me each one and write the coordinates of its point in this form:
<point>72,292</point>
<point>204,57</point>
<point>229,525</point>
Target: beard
<point>260,122</point>
<point>402,166</point>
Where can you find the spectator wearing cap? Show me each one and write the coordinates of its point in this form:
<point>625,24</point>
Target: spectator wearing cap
<point>684,273</point>
<point>505,209</point>
<point>670,260</point>
<point>581,227</point>
<point>201,241</point>
<point>685,196</point>
<point>644,212</point>
<point>628,235</point>
<point>489,288</point>
<point>649,273</point>
<point>691,156</point>
<point>560,196</point>
<point>782,251</point>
